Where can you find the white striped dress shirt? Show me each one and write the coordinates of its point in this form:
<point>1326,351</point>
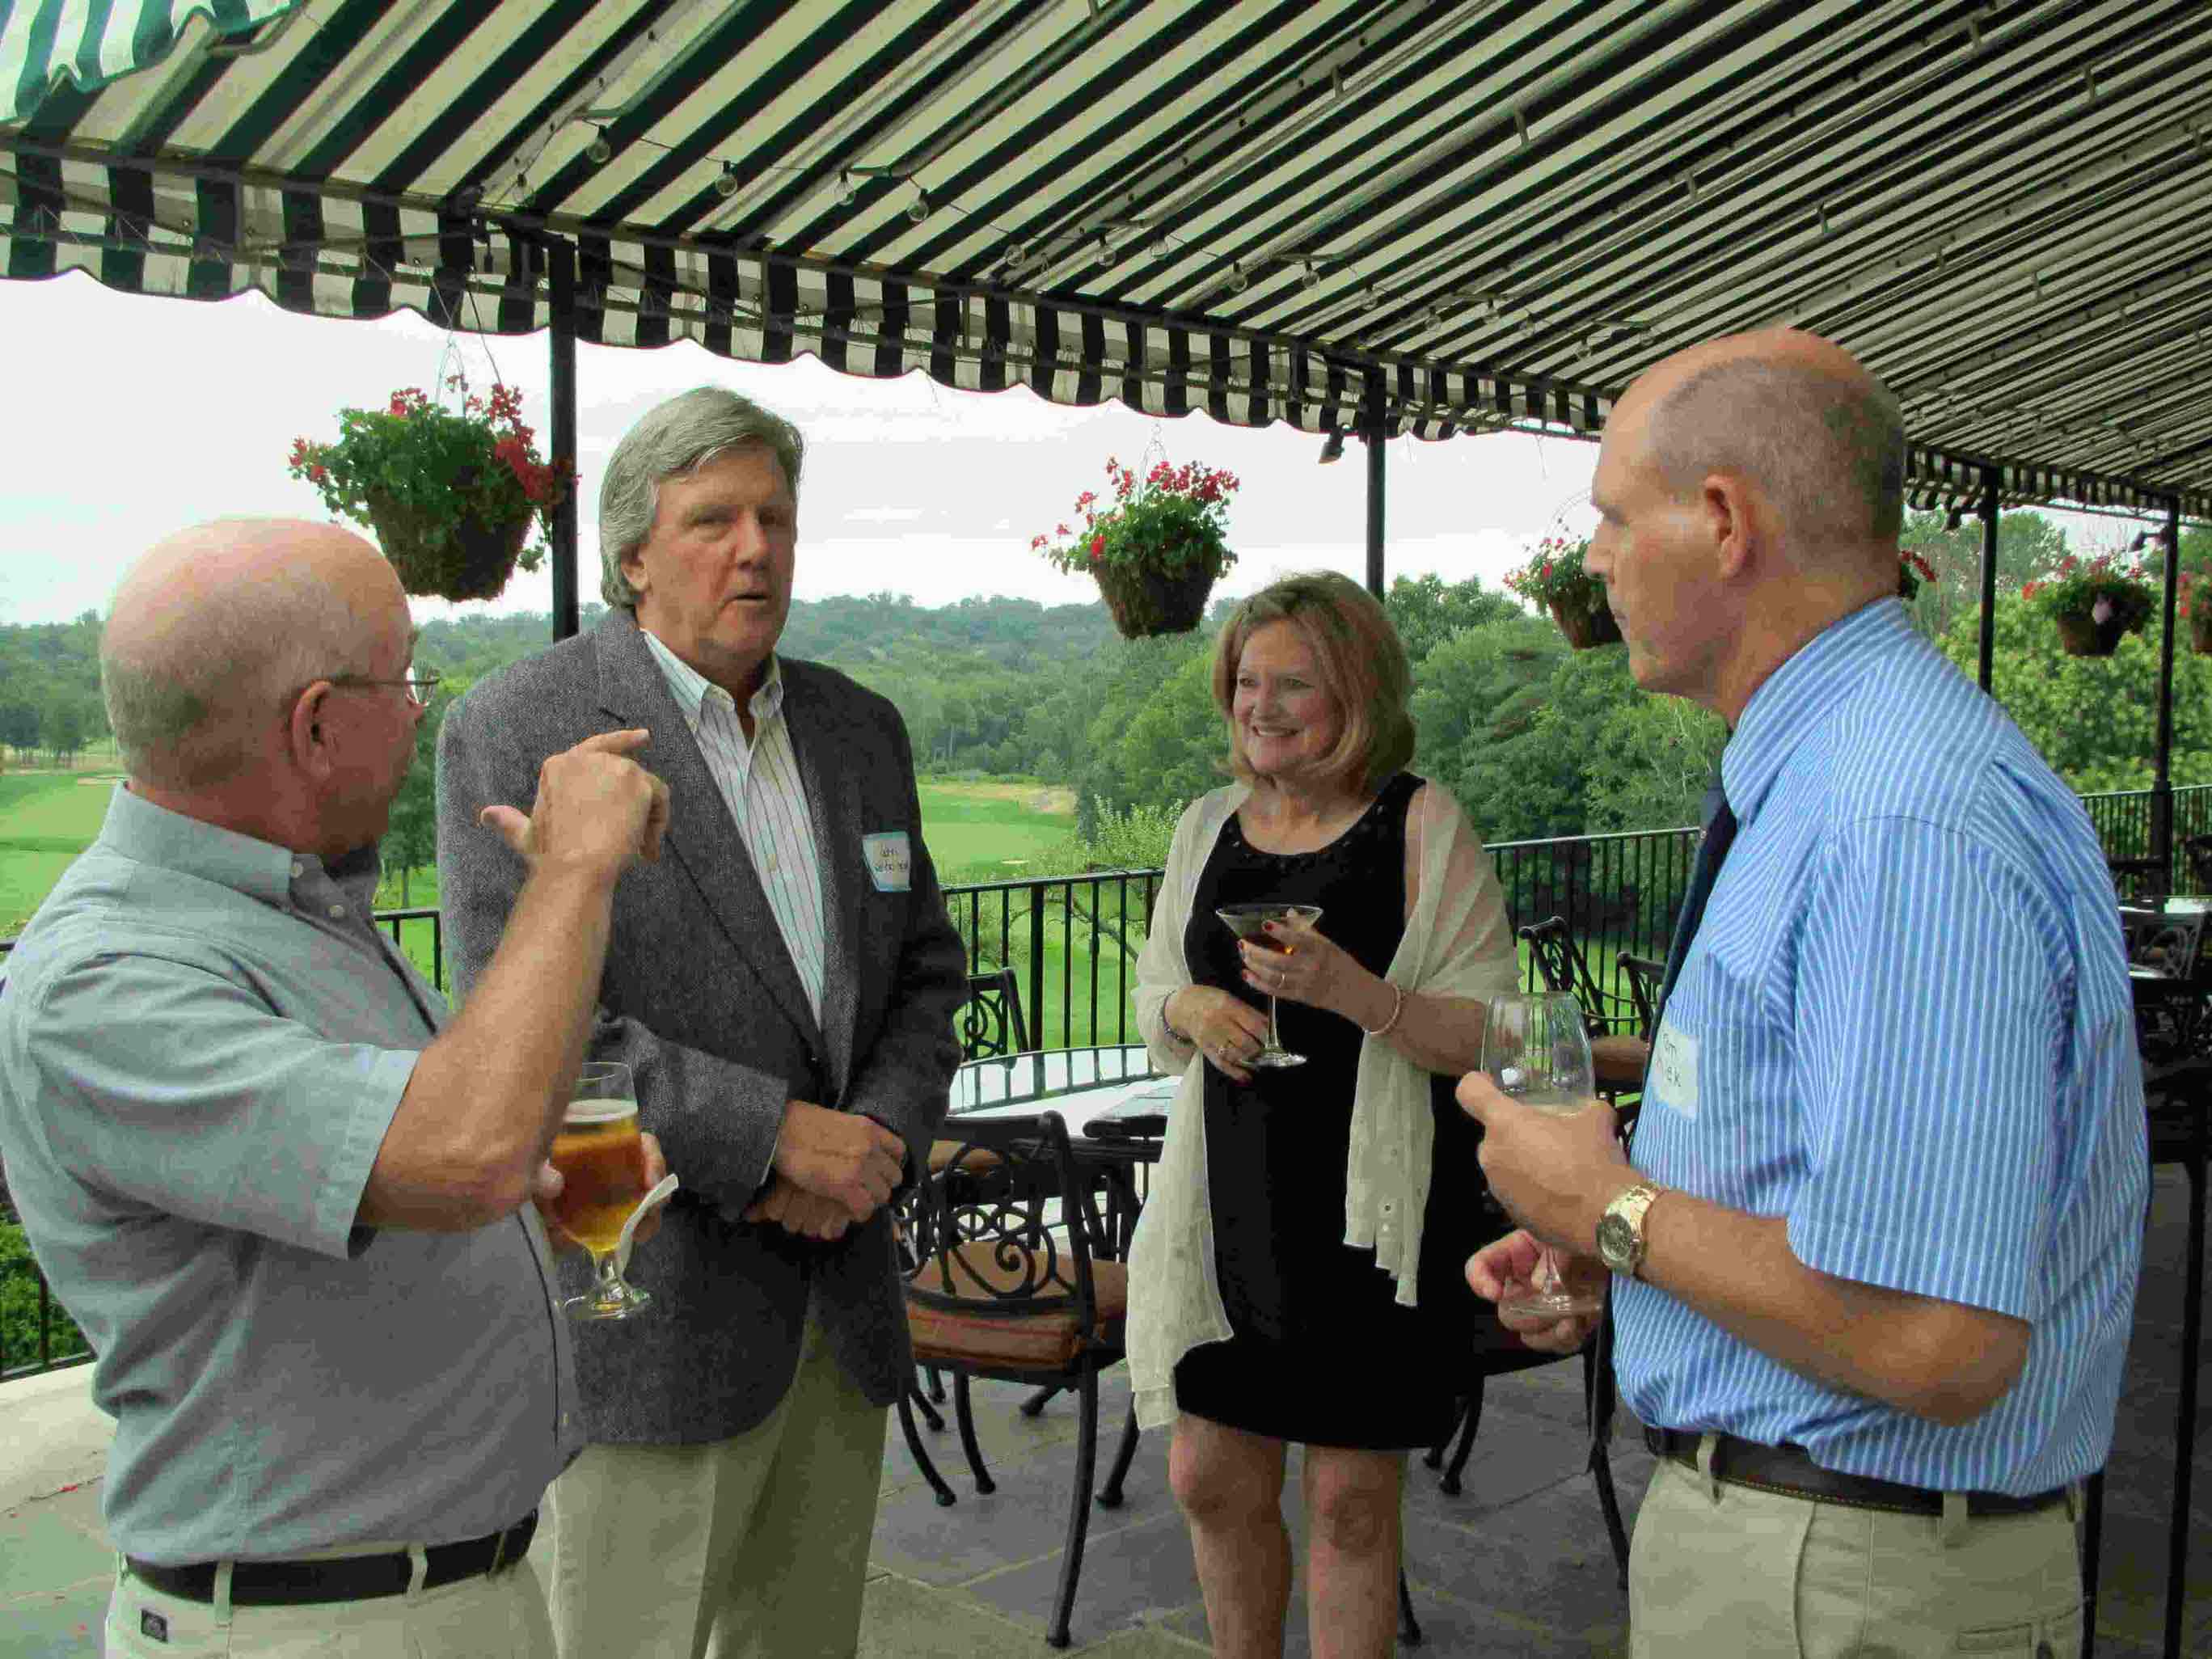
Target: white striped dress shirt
<point>761,785</point>
<point>1904,1026</point>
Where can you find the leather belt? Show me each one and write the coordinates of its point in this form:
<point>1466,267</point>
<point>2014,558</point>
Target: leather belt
<point>1791,1469</point>
<point>345,1579</point>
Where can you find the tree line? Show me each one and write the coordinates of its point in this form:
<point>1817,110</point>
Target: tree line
<point>1534,739</point>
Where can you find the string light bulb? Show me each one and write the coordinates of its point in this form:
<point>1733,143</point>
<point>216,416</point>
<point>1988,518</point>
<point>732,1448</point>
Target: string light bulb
<point>726,183</point>
<point>920,209</point>
<point>847,192</point>
<point>599,151</point>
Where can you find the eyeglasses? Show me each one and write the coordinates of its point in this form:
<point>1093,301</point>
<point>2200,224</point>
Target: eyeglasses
<point>420,687</point>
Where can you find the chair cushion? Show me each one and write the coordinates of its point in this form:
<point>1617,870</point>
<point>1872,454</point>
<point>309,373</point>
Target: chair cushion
<point>979,1158</point>
<point>1619,1061</point>
<point>1046,1340</point>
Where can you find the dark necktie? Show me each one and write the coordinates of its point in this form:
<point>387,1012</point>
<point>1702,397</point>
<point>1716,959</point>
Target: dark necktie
<point>1712,847</point>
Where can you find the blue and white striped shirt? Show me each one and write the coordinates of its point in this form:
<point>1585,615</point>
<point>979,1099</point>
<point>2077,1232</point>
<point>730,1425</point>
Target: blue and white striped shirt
<point>761,785</point>
<point>1906,1026</point>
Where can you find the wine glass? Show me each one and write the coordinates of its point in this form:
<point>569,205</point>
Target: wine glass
<point>1536,1048</point>
<point>1249,922</point>
<point>602,1165</point>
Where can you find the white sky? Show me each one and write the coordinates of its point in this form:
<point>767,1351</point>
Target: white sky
<point>132,417</point>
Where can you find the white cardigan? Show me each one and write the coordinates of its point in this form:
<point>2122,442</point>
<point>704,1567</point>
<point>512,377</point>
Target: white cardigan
<point>1457,942</point>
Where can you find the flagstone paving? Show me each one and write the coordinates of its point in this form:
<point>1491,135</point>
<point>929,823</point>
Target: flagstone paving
<point>1517,1565</point>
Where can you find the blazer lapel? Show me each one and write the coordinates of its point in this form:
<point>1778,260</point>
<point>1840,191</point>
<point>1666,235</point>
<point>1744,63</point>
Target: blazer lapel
<point>702,835</point>
<point>833,802</point>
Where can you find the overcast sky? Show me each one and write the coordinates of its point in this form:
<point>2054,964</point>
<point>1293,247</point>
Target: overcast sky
<point>132,417</point>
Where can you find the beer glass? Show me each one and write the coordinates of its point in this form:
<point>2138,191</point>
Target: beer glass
<point>602,1165</point>
<point>1249,922</point>
<point>1536,1048</point>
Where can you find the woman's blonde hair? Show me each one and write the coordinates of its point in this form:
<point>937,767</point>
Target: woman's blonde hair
<point>1361,662</point>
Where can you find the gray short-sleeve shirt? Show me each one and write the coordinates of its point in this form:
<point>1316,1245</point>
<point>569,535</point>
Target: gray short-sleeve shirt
<point>203,1040</point>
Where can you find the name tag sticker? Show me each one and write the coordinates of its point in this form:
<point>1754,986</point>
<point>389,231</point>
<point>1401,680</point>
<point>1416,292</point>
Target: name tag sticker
<point>1674,1069</point>
<point>890,860</point>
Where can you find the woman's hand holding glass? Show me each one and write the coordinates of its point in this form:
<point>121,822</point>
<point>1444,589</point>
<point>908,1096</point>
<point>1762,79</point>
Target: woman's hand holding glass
<point>1226,1029</point>
<point>1313,970</point>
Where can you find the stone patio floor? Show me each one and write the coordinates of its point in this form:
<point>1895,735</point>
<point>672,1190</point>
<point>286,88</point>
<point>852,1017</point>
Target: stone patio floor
<point>1517,1565</point>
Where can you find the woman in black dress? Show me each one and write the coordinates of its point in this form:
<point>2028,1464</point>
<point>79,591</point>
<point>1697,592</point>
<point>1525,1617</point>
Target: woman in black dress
<point>1297,1275</point>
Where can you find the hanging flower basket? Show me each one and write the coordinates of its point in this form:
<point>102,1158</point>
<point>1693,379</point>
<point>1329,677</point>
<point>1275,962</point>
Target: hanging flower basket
<point>1586,629</point>
<point>2085,636</point>
<point>2092,603</point>
<point>1156,551</point>
<point>452,494</point>
<point>438,553</point>
<point>1144,601</point>
<point>1913,572</point>
<point>1555,578</point>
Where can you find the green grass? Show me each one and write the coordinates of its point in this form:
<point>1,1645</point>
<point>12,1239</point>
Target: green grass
<point>992,831</point>
<point>46,819</point>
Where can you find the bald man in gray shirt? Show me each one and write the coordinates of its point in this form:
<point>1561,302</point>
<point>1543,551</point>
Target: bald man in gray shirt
<point>285,1193</point>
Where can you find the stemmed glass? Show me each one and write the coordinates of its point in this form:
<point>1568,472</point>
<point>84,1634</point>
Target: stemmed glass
<point>602,1165</point>
<point>1249,922</point>
<point>1536,1048</point>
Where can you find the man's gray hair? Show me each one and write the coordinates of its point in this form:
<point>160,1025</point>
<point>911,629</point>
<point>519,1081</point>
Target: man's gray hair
<point>1828,451</point>
<point>674,440</point>
<point>184,690</point>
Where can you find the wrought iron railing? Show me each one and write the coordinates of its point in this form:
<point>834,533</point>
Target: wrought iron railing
<point>1072,942</point>
<point>35,1334</point>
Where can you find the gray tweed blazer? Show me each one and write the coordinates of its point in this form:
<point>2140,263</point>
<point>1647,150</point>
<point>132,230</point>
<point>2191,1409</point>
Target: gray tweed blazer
<point>699,996</point>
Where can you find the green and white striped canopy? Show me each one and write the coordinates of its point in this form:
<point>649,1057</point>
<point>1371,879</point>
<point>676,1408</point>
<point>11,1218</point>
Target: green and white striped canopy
<point>1451,215</point>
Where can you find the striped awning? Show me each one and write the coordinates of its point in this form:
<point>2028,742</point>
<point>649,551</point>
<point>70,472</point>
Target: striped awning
<point>1434,217</point>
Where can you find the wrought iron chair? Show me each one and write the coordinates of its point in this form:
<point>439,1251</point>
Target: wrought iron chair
<point>1617,1056</point>
<point>991,1019</point>
<point>2170,1012</point>
<point>1003,1282</point>
<point>1646,975</point>
<point>2178,1096</point>
<point>2197,850</point>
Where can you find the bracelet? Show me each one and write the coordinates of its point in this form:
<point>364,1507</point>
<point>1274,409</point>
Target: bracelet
<point>1397,1007</point>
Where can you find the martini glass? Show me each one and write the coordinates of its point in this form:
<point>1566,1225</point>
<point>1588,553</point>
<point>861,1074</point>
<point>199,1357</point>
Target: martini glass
<point>1536,1050</point>
<point>1249,922</point>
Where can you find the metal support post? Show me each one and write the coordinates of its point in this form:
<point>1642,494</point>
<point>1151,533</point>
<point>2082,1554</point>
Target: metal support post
<point>561,260</point>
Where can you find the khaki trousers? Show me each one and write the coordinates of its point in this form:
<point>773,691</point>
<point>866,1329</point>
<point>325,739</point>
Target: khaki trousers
<point>755,1548</point>
<point>501,1616</point>
<point>1720,1569</point>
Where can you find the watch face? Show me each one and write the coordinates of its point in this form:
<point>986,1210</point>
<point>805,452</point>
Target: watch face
<point>1616,1241</point>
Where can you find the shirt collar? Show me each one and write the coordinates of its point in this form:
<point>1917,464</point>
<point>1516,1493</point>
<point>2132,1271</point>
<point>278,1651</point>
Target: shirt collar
<point>692,689</point>
<point>140,830</point>
<point>1796,698</point>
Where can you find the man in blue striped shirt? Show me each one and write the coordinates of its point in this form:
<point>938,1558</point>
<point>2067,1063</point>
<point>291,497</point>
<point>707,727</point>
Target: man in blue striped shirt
<point>1875,1260</point>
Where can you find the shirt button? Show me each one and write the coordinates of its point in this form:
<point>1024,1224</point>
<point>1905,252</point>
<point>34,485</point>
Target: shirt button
<point>298,868</point>
<point>337,910</point>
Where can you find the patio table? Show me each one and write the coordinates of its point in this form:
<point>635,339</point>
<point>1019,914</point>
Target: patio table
<point>1113,1103</point>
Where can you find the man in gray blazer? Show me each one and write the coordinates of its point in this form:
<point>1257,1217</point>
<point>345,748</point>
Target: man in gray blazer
<point>783,983</point>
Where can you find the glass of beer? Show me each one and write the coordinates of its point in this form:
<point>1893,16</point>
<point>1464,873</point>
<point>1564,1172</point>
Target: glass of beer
<point>602,1165</point>
<point>1536,1048</point>
<point>1249,922</point>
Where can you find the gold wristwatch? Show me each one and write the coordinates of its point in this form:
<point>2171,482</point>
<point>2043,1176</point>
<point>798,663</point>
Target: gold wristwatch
<point>1621,1228</point>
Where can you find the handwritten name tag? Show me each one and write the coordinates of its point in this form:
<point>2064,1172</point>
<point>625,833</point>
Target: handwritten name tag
<point>1674,1069</point>
<point>890,860</point>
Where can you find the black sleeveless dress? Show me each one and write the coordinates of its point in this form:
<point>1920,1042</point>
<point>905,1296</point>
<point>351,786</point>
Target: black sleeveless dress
<point>1322,1353</point>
